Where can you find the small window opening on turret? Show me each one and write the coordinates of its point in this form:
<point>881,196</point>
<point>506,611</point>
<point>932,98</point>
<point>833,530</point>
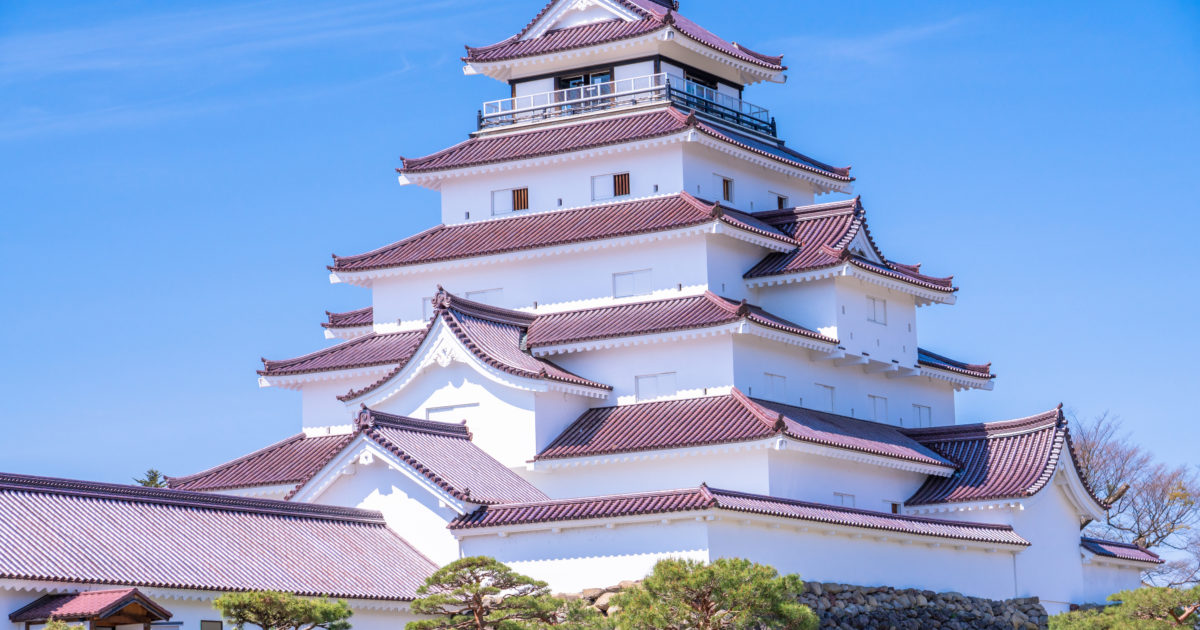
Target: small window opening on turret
<point>893,506</point>
<point>877,310</point>
<point>610,186</point>
<point>520,199</point>
<point>781,201</point>
<point>726,188</point>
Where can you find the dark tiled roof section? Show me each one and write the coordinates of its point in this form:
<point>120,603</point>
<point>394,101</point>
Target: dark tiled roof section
<point>94,533</point>
<point>293,461</point>
<point>352,319</point>
<point>644,318</point>
<point>997,460</point>
<point>725,419</point>
<point>367,351</point>
<point>1123,551</point>
<point>654,17</point>
<point>854,434</point>
<point>825,232</point>
<point>597,133</point>
<point>549,229</point>
<point>703,498</point>
<point>977,370</point>
<point>446,455</point>
<point>86,605</point>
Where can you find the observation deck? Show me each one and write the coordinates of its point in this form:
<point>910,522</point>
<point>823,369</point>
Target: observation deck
<point>653,88</point>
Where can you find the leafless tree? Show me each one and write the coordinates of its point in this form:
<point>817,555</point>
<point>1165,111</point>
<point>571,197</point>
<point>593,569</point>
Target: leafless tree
<point>1154,505</point>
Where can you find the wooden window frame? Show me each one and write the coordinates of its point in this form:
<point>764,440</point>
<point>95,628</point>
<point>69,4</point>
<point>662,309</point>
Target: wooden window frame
<point>621,185</point>
<point>520,199</point>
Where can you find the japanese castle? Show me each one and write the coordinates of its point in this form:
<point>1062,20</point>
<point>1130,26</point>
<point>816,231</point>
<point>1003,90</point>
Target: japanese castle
<point>646,326</point>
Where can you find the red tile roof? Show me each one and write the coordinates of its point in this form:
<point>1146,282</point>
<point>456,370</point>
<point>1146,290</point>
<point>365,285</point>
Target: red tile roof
<point>825,232</point>
<point>352,319</point>
<point>446,455</point>
<point>725,419</point>
<point>443,452</point>
<point>653,17</point>
<point>591,134</point>
<point>367,351</point>
<point>704,498</point>
<point>977,370</point>
<point>293,462</point>
<point>996,460</point>
<point>86,605</point>
<point>549,229</point>
<point>95,533</point>
<point>658,316</point>
<point>1123,551</point>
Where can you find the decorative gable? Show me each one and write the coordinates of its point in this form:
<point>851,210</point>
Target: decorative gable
<point>571,13</point>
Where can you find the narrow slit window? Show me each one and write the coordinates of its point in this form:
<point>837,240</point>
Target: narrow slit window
<point>727,189</point>
<point>520,199</point>
<point>621,185</point>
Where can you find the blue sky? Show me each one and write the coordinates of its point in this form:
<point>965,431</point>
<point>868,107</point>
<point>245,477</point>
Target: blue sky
<point>174,176</point>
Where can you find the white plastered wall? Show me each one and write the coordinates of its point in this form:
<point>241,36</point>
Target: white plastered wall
<point>813,477</point>
<point>320,406</point>
<point>559,282</point>
<point>754,187</point>
<point>755,357</point>
<point>411,510</point>
<point>896,340</point>
<point>740,467</point>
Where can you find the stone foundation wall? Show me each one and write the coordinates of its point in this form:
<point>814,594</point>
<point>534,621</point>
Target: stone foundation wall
<point>846,607</point>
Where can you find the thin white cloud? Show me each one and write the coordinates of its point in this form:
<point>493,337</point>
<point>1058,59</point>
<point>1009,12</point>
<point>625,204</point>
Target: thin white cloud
<point>873,48</point>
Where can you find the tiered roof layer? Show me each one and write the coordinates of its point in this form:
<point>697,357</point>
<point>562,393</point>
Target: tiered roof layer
<point>77,531</point>
<point>704,498</point>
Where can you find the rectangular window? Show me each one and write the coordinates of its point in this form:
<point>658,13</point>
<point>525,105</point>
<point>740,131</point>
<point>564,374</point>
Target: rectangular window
<point>450,413</point>
<point>632,283</point>
<point>520,199</point>
<point>824,399</point>
<point>843,499</point>
<point>878,407</point>
<point>893,506</point>
<point>603,187</point>
<point>509,200</point>
<point>211,625</point>
<point>621,185</point>
<point>776,387</point>
<point>654,386</point>
<point>877,310</point>
<point>726,188</point>
<point>490,297</point>
<point>781,202</point>
<point>922,416</point>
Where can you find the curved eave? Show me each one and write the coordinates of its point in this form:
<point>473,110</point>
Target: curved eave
<point>925,294</point>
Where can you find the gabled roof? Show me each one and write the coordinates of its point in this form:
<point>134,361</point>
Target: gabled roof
<point>496,336</point>
<point>446,455</point>
<point>654,16</point>
<point>549,229</point>
<point>657,316</point>
<point>704,498</point>
<point>351,319</point>
<point>1012,459</point>
<point>86,605</point>
<point>976,370</point>
<point>1119,550</point>
<point>603,132</point>
<point>443,453</point>
<point>826,232</point>
<point>291,462</point>
<point>370,350</point>
<point>726,419</point>
<point>64,530</point>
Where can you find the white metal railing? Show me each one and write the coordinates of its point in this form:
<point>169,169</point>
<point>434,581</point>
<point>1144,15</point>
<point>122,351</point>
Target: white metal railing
<point>636,90</point>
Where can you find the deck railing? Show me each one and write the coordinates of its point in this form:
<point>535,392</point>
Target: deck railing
<point>626,92</point>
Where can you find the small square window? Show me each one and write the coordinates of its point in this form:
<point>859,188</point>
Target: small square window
<point>879,408</point>
<point>843,499</point>
<point>894,506</point>
<point>781,201</point>
<point>726,189</point>
<point>776,387</point>
<point>621,185</point>
<point>825,399</point>
<point>632,283</point>
<point>654,386</point>
<point>520,199</point>
<point>877,310</point>
<point>922,416</point>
